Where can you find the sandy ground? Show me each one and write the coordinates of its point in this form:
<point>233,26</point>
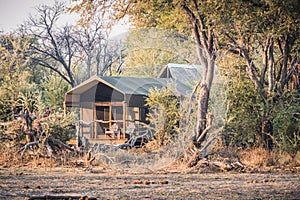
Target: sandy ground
<point>47,183</point>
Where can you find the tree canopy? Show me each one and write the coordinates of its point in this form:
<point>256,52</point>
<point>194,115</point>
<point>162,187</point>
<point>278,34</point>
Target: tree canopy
<point>147,51</point>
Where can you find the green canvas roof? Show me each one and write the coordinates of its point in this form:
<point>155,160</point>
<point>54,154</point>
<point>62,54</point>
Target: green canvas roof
<point>141,86</point>
<point>126,86</point>
<point>187,74</point>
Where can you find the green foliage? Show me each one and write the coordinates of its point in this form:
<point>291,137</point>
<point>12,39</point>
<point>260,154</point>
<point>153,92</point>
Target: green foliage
<point>149,50</point>
<point>23,87</point>
<point>255,19</point>
<point>160,14</point>
<point>13,74</point>
<point>286,122</point>
<point>29,99</point>
<point>265,35</point>
<point>244,109</point>
<point>164,114</point>
<point>54,89</point>
<point>61,126</point>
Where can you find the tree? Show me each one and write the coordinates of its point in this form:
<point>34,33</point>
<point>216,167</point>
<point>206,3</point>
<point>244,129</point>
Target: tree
<point>70,51</point>
<point>243,107</point>
<point>149,50</point>
<point>53,89</point>
<point>53,48</point>
<point>97,51</point>
<point>186,16</point>
<point>266,35</point>
<point>14,74</point>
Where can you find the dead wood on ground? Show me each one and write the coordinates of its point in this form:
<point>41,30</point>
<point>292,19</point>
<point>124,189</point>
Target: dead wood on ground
<point>29,135</point>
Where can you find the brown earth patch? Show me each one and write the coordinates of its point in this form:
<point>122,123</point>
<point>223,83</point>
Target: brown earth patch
<point>74,183</point>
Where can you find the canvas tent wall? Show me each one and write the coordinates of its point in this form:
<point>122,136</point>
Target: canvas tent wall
<point>123,98</point>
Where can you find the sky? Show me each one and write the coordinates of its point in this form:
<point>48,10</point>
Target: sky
<point>15,12</point>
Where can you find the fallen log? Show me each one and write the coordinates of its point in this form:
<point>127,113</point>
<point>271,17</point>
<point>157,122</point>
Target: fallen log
<point>57,141</point>
<point>49,143</point>
<point>23,149</point>
<point>222,165</point>
<point>65,197</point>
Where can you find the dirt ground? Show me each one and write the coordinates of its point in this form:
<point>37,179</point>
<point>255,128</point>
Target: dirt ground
<point>74,183</point>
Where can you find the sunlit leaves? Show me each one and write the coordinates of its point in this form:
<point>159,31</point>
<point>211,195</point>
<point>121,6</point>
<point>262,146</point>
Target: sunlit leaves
<point>54,89</point>
<point>164,114</point>
<point>13,72</point>
<point>149,50</point>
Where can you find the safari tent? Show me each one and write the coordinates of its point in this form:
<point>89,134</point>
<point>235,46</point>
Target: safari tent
<point>186,74</point>
<point>113,108</point>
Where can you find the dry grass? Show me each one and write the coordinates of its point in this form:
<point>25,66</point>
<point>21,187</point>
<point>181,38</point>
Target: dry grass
<point>257,157</point>
<point>150,158</point>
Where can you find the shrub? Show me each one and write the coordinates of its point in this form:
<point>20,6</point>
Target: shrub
<point>164,114</point>
<point>286,122</point>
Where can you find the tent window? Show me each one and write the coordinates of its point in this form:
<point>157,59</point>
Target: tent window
<point>102,113</point>
<point>117,112</point>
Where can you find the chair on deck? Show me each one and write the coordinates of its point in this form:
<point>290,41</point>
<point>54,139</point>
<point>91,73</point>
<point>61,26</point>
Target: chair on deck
<point>113,131</point>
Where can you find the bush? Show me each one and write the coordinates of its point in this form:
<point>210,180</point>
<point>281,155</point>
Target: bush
<point>245,111</point>
<point>61,126</point>
<point>164,114</point>
<point>286,122</point>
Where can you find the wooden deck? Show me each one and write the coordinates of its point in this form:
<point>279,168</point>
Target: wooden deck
<point>105,139</point>
<point>101,139</point>
<point>108,141</point>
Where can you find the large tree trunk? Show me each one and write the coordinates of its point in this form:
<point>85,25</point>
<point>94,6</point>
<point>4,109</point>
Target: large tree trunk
<point>204,120</point>
<point>201,116</point>
<point>205,47</point>
<point>266,132</point>
<point>204,123</point>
